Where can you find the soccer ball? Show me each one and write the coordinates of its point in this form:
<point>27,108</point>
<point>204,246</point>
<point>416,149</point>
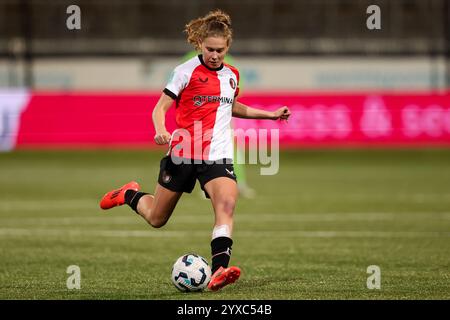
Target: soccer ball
<point>191,272</point>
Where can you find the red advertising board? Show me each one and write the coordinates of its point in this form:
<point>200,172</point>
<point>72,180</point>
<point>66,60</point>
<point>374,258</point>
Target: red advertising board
<point>124,119</point>
<point>337,119</point>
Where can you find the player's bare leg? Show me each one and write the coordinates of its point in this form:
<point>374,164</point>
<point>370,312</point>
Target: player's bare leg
<point>156,209</point>
<point>223,193</point>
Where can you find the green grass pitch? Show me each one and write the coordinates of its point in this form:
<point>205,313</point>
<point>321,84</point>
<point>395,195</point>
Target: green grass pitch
<point>310,233</point>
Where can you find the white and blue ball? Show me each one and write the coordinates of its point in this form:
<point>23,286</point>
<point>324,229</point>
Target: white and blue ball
<point>191,272</point>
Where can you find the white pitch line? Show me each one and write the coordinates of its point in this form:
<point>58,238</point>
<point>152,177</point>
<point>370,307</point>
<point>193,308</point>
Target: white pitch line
<point>243,234</point>
<point>31,205</point>
<point>86,203</point>
<point>239,217</point>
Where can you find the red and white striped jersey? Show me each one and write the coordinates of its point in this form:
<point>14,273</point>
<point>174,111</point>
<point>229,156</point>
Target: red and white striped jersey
<point>204,100</point>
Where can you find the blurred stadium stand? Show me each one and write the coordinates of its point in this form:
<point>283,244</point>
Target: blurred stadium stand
<point>267,26</point>
<point>36,29</point>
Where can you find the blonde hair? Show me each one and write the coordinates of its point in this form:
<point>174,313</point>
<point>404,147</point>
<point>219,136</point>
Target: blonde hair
<point>215,24</point>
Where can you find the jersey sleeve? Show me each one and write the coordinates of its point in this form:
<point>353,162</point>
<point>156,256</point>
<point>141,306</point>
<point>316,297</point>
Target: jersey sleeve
<point>177,82</point>
<point>236,93</point>
<point>236,72</point>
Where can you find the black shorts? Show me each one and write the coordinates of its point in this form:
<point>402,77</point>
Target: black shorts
<point>180,175</point>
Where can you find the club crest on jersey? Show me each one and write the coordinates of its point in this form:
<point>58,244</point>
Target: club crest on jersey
<point>232,83</point>
<point>166,177</point>
<point>203,80</point>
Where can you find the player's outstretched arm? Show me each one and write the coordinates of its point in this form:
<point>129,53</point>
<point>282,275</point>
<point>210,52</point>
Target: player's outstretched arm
<point>241,110</point>
<point>162,136</point>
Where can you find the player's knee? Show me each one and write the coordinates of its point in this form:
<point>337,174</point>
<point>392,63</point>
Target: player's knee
<point>227,205</point>
<point>157,222</point>
<point>154,221</point>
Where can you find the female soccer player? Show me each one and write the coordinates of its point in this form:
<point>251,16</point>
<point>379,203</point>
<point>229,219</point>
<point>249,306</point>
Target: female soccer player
<point>205,90</point>
<point>239,168</point>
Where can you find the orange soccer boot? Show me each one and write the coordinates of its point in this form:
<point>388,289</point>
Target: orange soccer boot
<point>117,197</point>
<point>223,276</point>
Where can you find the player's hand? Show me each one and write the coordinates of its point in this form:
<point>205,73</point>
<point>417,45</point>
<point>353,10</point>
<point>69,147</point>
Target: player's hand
<point>283,113</point>
<point>162,138</point>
